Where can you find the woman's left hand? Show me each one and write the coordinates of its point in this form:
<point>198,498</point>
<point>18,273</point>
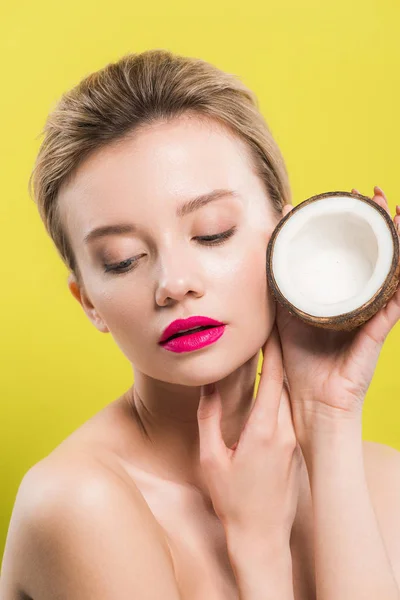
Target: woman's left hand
<point>328,372</point>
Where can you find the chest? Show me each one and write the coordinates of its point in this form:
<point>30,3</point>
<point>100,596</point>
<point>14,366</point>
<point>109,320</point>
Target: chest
<point>199,551</point>
<point>204,572</point>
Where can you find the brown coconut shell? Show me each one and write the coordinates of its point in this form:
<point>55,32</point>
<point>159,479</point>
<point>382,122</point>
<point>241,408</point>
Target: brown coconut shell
<point>355,318</point>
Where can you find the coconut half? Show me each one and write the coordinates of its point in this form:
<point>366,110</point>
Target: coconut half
<point>333,260</point>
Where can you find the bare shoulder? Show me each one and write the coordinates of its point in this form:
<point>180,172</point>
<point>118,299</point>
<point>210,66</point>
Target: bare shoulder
<point>381,461</point>
<point>79,530</point>
<point>382,469</point>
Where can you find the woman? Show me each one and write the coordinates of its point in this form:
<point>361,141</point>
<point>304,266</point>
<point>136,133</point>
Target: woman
<point>160,184</point>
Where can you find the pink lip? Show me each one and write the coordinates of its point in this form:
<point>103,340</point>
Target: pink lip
<point>194,341</point>
<point>190,323</point>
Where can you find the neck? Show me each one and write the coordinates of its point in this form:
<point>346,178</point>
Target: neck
<point>167,416</point>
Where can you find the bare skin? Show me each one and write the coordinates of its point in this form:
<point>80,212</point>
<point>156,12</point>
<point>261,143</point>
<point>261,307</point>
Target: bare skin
<point>191,533</point>
<point>148,439</point>
<point>192,537</point>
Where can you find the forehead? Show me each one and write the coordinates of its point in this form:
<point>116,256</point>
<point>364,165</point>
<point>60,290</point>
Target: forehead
<point>153,170</point>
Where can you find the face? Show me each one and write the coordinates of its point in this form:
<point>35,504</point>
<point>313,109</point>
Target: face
<point>167,271</point>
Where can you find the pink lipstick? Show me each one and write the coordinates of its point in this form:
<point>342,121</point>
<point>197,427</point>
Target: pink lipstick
<point>186,335</point>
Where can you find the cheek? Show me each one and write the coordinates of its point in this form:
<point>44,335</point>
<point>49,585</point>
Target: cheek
<point>252,290</point>
<point>118,306</point>
<point>252,273</point>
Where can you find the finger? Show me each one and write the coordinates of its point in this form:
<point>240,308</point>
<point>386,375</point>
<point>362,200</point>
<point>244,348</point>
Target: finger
<point>380,198</point>
<point>271,380</point>
<point>379,191</point>
<point>264,414</point>
<point>285,417</point>
<point>379,326</point>
<point>209,411</point>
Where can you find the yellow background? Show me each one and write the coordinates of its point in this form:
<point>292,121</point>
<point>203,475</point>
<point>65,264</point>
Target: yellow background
<point>327,78</point>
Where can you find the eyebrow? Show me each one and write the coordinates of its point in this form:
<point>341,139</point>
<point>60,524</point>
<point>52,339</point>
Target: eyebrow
<point>184,209</point>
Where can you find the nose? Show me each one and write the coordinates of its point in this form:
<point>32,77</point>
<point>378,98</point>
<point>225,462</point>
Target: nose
<point>179,276</point>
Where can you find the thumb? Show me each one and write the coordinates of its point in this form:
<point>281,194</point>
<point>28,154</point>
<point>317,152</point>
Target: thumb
<point>212,445</point>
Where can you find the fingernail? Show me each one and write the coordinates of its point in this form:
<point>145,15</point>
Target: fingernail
<point>398,209</point>
<point>379,190</point>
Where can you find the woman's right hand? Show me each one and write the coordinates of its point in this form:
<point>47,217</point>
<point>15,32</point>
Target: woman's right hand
<point>254,485</point>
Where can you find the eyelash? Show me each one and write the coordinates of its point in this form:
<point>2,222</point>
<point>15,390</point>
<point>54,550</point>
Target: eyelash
<point>207,240</point>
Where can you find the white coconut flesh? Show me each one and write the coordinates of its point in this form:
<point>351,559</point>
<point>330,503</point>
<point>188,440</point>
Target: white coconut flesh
<point>332,256</point>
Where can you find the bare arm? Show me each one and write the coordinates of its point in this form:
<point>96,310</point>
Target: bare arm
<point>85,535</point>
<point>263,570</point>
<point>351,560</point>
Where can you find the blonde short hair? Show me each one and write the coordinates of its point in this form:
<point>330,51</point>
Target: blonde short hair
<point>138,90</point>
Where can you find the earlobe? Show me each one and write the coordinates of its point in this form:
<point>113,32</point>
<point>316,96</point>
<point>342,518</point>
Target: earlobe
<point>80,295</point>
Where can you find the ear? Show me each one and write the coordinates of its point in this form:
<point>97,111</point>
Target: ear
<point>79,293</point>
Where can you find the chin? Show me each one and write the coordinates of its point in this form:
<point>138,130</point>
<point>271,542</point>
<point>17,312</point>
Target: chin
<point>216,368</point>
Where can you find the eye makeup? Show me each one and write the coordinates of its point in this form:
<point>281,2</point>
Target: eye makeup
<point>208,240</point>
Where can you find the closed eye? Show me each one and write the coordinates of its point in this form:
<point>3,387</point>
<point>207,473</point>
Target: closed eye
<point>215,240</point>
<point>207,240</point>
